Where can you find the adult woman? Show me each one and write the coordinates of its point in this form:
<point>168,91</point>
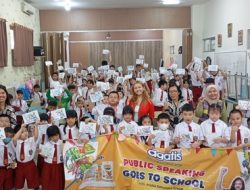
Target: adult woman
<point>141,102</point>
<point>212,96</point>
<point>174,104</point>
<point>5,107</point>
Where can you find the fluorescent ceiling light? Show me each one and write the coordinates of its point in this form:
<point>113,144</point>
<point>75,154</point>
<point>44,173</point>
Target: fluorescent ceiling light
<point>171,2</point>
<point>67,5</point>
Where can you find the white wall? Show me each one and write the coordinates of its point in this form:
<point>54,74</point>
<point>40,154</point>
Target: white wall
<point>11,11</point>
<point>172,37</point>
<point>211,19</point>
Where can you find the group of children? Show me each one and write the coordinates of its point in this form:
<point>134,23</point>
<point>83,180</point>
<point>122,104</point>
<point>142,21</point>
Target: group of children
<point>19,148</point>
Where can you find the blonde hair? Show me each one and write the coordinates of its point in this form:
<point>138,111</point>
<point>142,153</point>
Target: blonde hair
<point>145,95</point>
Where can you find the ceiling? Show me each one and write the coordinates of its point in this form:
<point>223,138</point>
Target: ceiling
<point>105,4</point>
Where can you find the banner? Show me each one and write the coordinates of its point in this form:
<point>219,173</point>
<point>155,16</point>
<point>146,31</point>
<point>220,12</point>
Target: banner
<point>107,163</point>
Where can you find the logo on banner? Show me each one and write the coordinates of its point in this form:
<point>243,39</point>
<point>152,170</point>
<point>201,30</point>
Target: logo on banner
<point>172,156</point>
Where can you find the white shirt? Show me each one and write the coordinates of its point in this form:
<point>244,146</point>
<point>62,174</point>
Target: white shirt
<point>22,104</point>
<point>86,92</point>
<point>78,111</point>
<point>185,92</point>
<point>109,127</point>
<point>157,94</point>
<point>187,137</point>
<point>42,133</point>
<point>29,149</point>
<point>220,131</point>
<point>130,128</point>
<point>194,79</point>
<point>37,97</point>
<point>118,111</point>
<point>59,156</point>
<point>74,132</point>
<point>53,83</point>
<point>11,153</point>
<point>165,137</point>
<point>244,133</point>
<point>98,110</point>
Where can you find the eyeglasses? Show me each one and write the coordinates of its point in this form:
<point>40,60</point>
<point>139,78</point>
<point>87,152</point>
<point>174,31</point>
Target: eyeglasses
<point>173,91</point>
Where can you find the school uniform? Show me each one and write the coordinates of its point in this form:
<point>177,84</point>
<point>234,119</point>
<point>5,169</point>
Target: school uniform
<point>80,112</point>
<point>242,136</point>
<point>53,170</point>
<point>118,111</point>
<point>212,130</point>
<point>86,92</point>
<point>69,133</point>
<point>111,128</point>
<point>188,134</point>
<point>127,124</point>
<point>98,110</point>
<point>25,152</point>
<point>7,156</point>
<point>163,139</point>
<point>196,86</point>
<point>20,107</point>
<point>160,97</point>
<point>53,83</point>
<point>187,95</point>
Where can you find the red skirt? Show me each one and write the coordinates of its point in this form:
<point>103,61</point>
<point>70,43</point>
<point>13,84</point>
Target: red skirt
<point>40,161</point>
<point>26,171</point>
<point>53,176</point>
<point>6,178</point>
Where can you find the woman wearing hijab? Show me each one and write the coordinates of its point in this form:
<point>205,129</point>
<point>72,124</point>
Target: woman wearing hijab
<point>212,96</point>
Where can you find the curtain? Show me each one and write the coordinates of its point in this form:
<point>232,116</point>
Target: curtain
<point>125,53</point>
<point>23,53</point>
<point>3,44</point>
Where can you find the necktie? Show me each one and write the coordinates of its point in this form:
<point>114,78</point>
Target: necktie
<point>22,155</point>
<point>161,96</point>
<point>238,137</point>
<point>112,128</point>
<point>49,120</point>
<point>87,94</point>
<point>20,102</point>
<point>70,134</point>
<point>5,156</point>
<point>162,145</point>
<point>43,138</point>
<point>189,128</point>
<point>213,128</point>
<point>80,113</point>
<point>188,96</point>
<point>55,154</point>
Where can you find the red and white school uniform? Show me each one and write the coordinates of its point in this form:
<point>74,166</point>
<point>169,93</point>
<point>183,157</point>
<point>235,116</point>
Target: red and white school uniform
<point>69,133</point>
<point>187,95</point>
<point>53,170</point>
<point>7,155</point>
<point>242,136</point>
<point>42,139</point>
<point>80,112</point>
<point>196,86</point>
<point>98,110</point>
<point>188,134</point>
<point>212,130</point>
<point>26,167</point>
<point>20,107</point>
<point>160,97</point>
<point>86,92</point>
<point>162,138</point>
<point>111,128</point>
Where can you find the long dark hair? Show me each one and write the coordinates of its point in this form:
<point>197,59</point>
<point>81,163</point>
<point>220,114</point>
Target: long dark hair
<point>234,181</point>
<point>7,101</point>
<point>71,114</point>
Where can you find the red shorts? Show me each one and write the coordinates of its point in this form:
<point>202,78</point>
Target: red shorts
<point>6,178</point>
<point>26,171</point>
<point>53,176</point>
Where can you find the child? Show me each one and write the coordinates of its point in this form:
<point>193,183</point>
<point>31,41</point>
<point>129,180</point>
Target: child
<point>42,139</point>
<point>98,109</point>
<point>37,96</point>
<point>239,134</point>
<point>163,137</point>
<point>109,128</point>
<point>4,121</point>
<point>248,123</point>
<point>25,148</point>
<point>80,110</point>
<point>88,90</point>
<point>128,127</point>
<point>188,134</point>
<point>70,131</point>
<point>214,129</point>
<point>145,121</point>
<point>160,96</point>
<point>51,107</point>
<point>85,137</point>
<point>187,93</point>
<point>74,92</point>
<point>20,106</point>
<point>53,173</point>
<point>7,157</point>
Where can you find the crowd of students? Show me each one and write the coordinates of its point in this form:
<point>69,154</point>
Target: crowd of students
<point>170,103</point>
